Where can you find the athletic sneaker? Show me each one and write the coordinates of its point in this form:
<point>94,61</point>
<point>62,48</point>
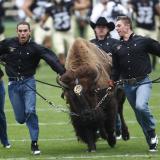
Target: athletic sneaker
<point>153,144</point>
<point>118,135</point>
<point>34,148</point>
<point>7,146</point>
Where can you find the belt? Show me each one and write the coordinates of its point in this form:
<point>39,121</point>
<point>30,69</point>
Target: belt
<point>131,81</point>
<point>140,78</point>
<point>21,78</point>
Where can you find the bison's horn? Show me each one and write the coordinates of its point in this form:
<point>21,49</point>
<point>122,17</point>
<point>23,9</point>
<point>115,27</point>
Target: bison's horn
<point>97,77</point>
<point>61,83</point>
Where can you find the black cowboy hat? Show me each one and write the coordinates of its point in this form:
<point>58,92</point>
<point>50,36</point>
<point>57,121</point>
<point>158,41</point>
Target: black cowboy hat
<point>101,21</point>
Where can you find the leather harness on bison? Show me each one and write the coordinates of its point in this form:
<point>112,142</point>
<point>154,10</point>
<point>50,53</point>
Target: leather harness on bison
<point>88,94</point>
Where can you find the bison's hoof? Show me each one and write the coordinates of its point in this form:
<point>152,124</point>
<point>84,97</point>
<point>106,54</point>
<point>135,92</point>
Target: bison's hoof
<point>112,145</point>
<point>112,140</point>
<point>125,137</point>
<point>91,148</point>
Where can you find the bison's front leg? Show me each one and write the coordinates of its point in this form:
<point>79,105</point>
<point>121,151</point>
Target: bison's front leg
<point>91,141</point>
<point>110,112</point>
<point>86,134</point>
<point>120,99</point>
<point>124,128</point>
<point>89,137</point>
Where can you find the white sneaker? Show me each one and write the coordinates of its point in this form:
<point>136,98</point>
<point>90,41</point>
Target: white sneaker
<point>38,152</point>
<point>153,144</point>
<point>119,137</point>
<point>7,146</point>
<point>34,148</point>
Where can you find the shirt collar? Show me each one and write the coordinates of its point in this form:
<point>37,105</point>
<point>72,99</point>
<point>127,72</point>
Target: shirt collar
<point>28,41</point>
<point>107,36</point>
<point>130,37</point>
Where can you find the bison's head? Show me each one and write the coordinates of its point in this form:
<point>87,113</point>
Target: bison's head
<point>84,75</point>
<point>80,88</point>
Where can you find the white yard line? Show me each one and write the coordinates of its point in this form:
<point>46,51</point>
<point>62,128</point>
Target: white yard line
<point>90,157</point>
<point>63,106</point>
<point>38,109</point>
<point>44,139</point>
<point>41,124</point>
<point>102,157</point>
<point>62,139</point>
<point>61,123</point>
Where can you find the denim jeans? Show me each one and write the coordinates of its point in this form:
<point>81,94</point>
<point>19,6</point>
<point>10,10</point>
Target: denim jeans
<point>23,100</point>
<point>118,123</point>
<point>3,124</point>
<point>138,97</point>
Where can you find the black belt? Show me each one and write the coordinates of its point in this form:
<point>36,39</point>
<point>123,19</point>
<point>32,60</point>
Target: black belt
<point>131,81</point>
<point>21,78</point>
<point>140,78</point>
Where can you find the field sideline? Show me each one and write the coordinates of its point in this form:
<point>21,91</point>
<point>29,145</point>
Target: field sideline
<point>57,140</point>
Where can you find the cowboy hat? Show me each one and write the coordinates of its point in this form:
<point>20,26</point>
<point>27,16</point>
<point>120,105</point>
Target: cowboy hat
<point>101,21</point>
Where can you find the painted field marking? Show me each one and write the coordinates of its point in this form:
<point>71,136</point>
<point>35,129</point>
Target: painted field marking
<point>90,157</point>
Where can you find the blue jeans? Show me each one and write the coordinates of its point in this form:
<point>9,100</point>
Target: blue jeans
<point>3,124</point>
<point>118,123</point>
<point>138,97</point>
<point>23,100</point>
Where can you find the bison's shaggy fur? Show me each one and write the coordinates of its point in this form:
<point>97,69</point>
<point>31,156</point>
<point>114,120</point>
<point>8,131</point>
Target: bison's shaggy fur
<point>91,67</point>
<point>85,55</point>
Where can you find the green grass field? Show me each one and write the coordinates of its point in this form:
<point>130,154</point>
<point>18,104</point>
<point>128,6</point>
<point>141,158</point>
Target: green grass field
<point>57,139</point>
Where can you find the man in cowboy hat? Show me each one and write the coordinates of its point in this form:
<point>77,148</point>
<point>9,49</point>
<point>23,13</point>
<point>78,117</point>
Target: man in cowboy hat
<point>103,22</point>
<point>102,29</point>
<point>103,40</point>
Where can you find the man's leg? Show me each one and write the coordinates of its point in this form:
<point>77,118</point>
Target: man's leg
<point>16,98</point>
<point>30,110</point>
<point>3,124</point>
<point>130,92</point>
<point>143,95</point>
<point>118,127</point>
<point>147,119</point>
<point>138,97</point>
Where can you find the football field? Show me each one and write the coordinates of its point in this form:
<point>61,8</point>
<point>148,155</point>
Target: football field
<point>57,140</point>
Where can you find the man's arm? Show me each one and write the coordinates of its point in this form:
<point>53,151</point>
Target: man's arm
<point>3,45</point>
<point>157,8</point>
<point>51,58</point>
<point>153,46</point>
<point>115,74</point>
<point>26,9</point>
<point>82,4</point>
<point>44,19</point>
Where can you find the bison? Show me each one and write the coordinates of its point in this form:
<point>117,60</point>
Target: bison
<point>92,103</point>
